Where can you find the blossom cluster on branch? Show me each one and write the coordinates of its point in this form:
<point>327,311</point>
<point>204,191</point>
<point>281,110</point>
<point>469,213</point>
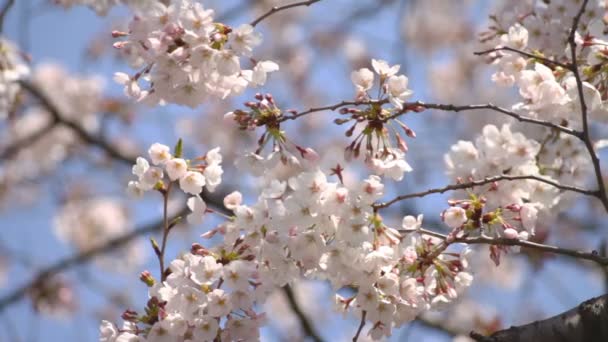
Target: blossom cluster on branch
<point>184,57</point>
<point>306,220</point>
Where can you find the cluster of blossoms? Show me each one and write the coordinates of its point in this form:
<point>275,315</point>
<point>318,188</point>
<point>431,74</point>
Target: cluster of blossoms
<point>375,123</point>
<point>502,152</point>
<point>185,58</point>
<point>302,225</point>
<point>105,219</point>
<point>77,100</point>
<point>192,175</point>
<point>550,92</point>
<point>12,69</point>
<point>548,21</point>
<point>264,112</point>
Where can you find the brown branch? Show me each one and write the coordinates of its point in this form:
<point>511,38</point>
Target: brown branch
<point>4,11</point>
<point>166,229</point>
<point>305,323</point>
<point>523,53</point>
<point>518,117</point>
<point>91,139</point>
<point>276,9</point>
<point>585,136</point>
<point>361,325</point>
<point>593,256</point>
<point>585,322</point>
<point>14,147</point>
<point>475,183</point>
<point>330,107</point>
<point>444,107</point>
<point>79,130</point>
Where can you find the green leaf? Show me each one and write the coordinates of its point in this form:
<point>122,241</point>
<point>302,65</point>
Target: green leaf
<point>179,148</point>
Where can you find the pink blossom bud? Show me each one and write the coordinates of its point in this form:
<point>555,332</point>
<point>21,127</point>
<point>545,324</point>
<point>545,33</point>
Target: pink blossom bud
<point>310,155</point>
<point>119,45</point>
<point>249,257</point>
<point>209,234</point>
<point>129,316</point>
<point>511,233</point>
<point>147,278</point>
<point>116,34</point>
<point>513,207</point>
<point>229,117</point>
<point>269,98</point>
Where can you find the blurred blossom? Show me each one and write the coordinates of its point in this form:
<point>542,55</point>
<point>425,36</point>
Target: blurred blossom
<point>89,223</point>
<point>53,296</point>
<point>13,67</point>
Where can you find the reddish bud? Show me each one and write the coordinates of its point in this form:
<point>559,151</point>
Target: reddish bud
<point>129,316</point>
<point>147,278</point>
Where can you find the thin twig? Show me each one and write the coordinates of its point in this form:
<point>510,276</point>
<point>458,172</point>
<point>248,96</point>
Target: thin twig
<point>593,256</point>
<point>439,106</point>
<point>330,107</point>
<point>276,9</point>
<point>475,183</point>
<point>361,325</point>
<point>523,53</point>
<point>490,106</point>
<point>585,137</point>
<point>166,229</point>
<point>305,323</point>
<point>4,11</point>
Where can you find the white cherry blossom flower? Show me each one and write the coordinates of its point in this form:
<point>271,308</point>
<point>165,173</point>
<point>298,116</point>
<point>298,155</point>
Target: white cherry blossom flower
<point>455,217</point>
<point>198,207</point>
<point>176,168</point>
<point>159,153</point>
<point>192,182</point>
<point>382,68</point>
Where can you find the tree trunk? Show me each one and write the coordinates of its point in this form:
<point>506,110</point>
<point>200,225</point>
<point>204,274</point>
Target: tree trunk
<point>587,322</point>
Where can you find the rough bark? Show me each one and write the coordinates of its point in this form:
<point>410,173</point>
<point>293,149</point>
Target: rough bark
<point>587,322</point>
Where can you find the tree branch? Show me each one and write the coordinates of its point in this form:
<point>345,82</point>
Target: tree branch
<point>276,9</point>
<point>80,131</point>
<point>13,148</point>
<point>523,53</point>
<point>475,183</point>
<point>361,325</point>
<point>593,256</point>
<point>518,117</point>
<point>330,107</point>
<point>4,11</point>
<point>445,107</point>
<point>585,136</point>
<point>305,323</point>
<point>586,322</point>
